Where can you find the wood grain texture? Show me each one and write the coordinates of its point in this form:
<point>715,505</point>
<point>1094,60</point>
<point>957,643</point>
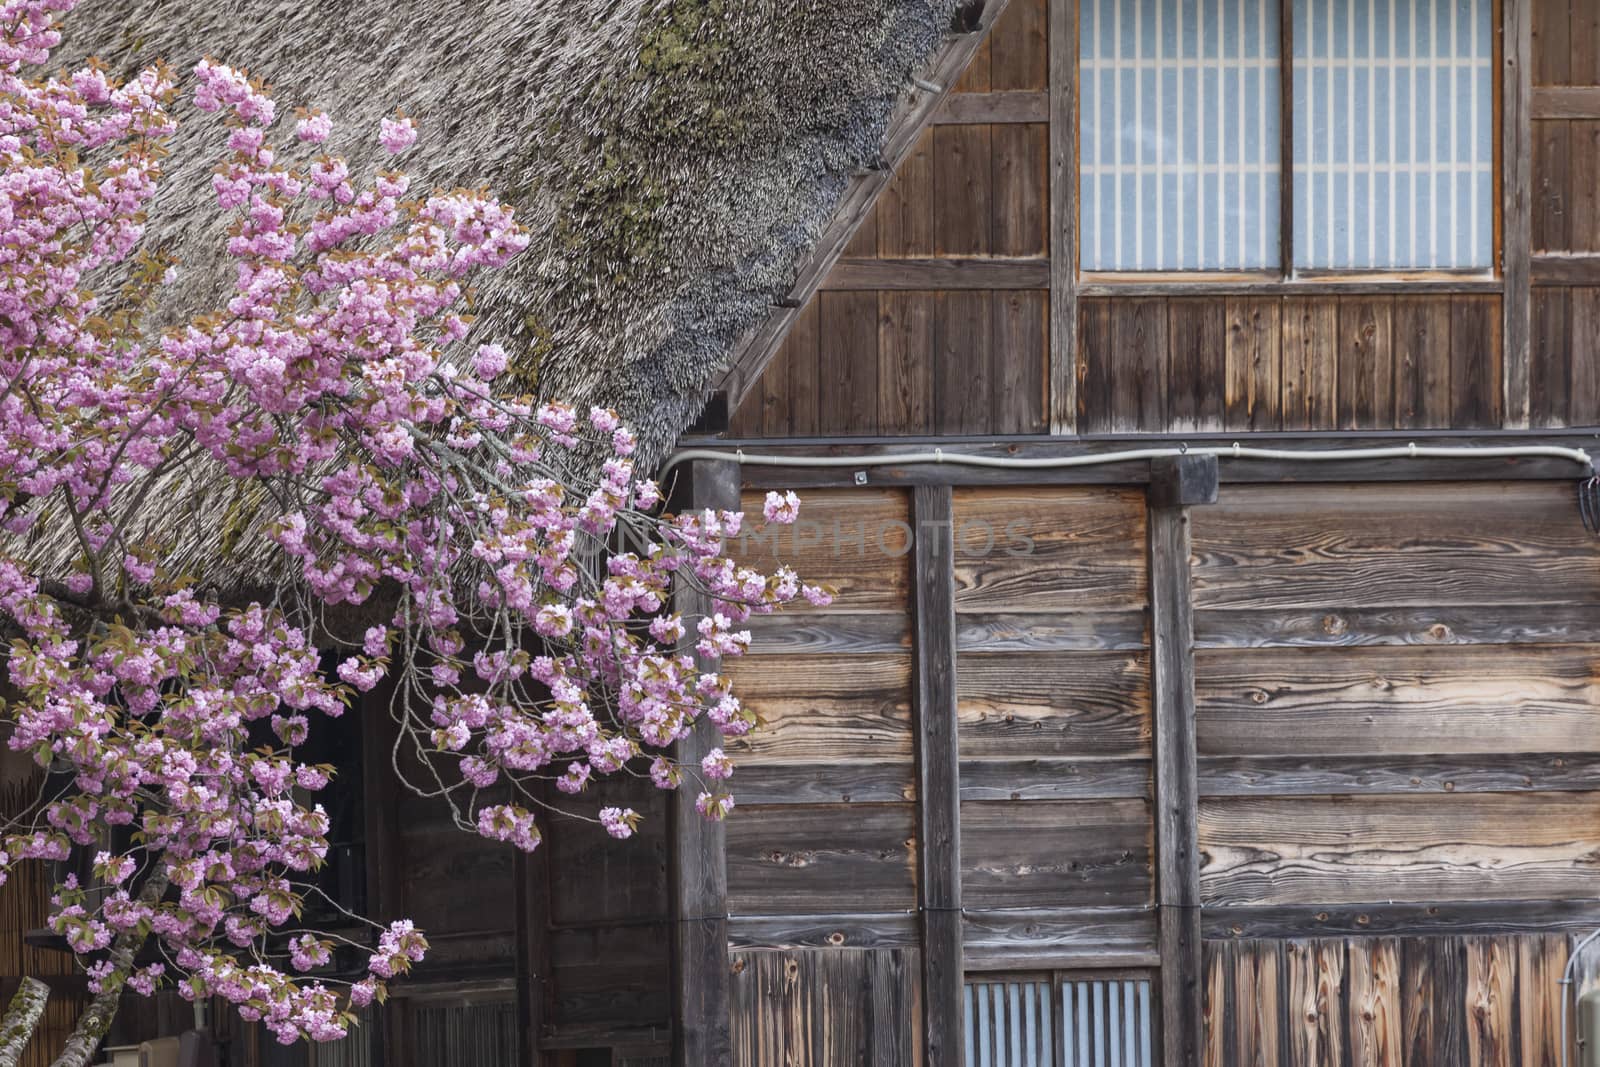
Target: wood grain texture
<point>1433,1013</point>
<point>851,930</point>
<point>1196,339</point>
<point>1476,360</point>
<point>905,211</point>
<point>1490,994</point>
<point>1516,216</point>
<point>1254,363</point>
<point>799,633</point>
<point>1065,938</point>
<point>1421,338</point>
<point>1055,853</point>
<point>905,371</point>
<point>1507,624</point>
<point>1346,849</point>
<point>1054,779</point>
<point>824,1006</point>
<point>833,782</point>
<point>1366,363</point>
<point>804,860</point>
<point>1066,363</point>
<point>1081,705</point>
<point>964,367</point>
<point>1419,545</point>
<point>847,362</point>
<point>1316,1030</point>
<point>1394,701</point>
<point>939,882</point>
<point>1372,1003</point>
<point>820,708</point>
<point>1139,360</point>
<point>1539,965</point>
<point>857,541</point>
<point>1551,358</point>
<point>1321,775</point>
<point>1310,363</point>
<point>1021,338</point>
<point>1041,632</point>
<point>1019,178</point>
<point>1048,550</point>
<point>1431,919</point>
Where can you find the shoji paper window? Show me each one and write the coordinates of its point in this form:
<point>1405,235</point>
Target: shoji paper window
<point>1393,128</point>
<point>1179,134</point>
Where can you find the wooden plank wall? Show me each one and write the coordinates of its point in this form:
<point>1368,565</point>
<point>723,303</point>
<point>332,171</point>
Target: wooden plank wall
<point>936,319</point>
<point>1054,725</point>
<point>1473,1001</point>
<point>822,849</point>
<point>1153,364</point>
<point>1565,317</point>
<point>1396,690</point>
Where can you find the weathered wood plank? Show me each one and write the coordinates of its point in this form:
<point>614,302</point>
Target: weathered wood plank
<point>1020,340</point>
<point>1491,772</point>
<point>939,885</point>
<point>1173,746</point>
<point>1570,268</point>
<point>1018,50</point>
<point>1511,378</point>
<point>1421,332</point>
<point>1221,963</point>
<point>1584,338</point>
<point>813,860</point>
<point>1551,369</point>
<point>1429,920</point>
<point>1024,271</point>
<point>1365,396</point>
<point>1315,1028</point>
<point>1139,363</point>
<point>1020,178</point>
<point>1585,197</point>
<point>1477,384</point>
<point>1433,1011</point>
<point>1004,106</point>
<point>905,211</point>
<point>1258,1003</point>
<point>847,363</point>
<point>1041,632</point>
<point>1056,853</point>
<point>1348,849</point>
<point>1196,338</point>
<point>1032,550</point>
<point>851,930</point>
<point>834,782</point>
<point>1054,779</point>
<point>1508,624</point>
<point>1550,174</point>
<point>1539,965</point>
<point>828,633</point>
<point>1254,363</point>
<point>820,708</point>
<point>1373,1003</point>
<point>1092,351</point>
<point>905,366</point>
<point>1393,701</point>
<point>858,541</point>
<point>1066,361</point>
<point>1017,938</point>
<point>1310,363</point>
<point>963,191</point>
<point>1565,102</point>
<point>824,1006</point>
<point>1418,545</point>
<point>964,368</point>
<point>1089,704</point>
<point>698,870</point>
<point>1490,994</point>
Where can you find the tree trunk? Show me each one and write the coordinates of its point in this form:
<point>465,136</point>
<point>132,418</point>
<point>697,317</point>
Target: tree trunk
<point>96,1019</point>
<point>21,1020</point>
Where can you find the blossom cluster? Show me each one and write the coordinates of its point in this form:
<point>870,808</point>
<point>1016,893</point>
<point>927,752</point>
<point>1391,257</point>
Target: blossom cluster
<point>534,640</point>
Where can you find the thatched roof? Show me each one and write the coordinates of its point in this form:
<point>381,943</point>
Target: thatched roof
<point>675,160</point>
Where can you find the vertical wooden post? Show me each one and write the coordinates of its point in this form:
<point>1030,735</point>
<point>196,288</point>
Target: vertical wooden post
<point>1175,485</point>
<point>1516,235</point>
<point>701,1036</point>
<point>938,776</point>
<point>532,875</point>
<point>1062,410</point>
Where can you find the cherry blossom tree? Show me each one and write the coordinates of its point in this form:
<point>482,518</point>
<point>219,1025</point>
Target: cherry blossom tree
<point>524,565</point>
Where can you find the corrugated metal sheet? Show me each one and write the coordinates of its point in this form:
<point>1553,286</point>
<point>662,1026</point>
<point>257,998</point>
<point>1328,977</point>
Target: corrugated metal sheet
<point>1059,1023</point>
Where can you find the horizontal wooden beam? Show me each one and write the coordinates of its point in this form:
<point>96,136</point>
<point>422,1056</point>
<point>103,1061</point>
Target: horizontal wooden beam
<point>1026,272</point>
<point>830,783</point>
<point>1577,269</point>
<point>1388,919</point>
<point>796,633</point>
<point>1566,102</point>
<point>1066,938</point>
<point>1504,624</point>
<point>890,930</point>
<point>1008,106</point>
<point>1512,772</point>
<point>1053,779</point>
<point>1096,631</point>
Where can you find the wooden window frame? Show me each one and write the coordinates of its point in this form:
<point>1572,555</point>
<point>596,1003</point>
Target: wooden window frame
<point>1285,278</point>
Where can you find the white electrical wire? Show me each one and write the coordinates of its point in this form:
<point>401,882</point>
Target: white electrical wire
<point>1233,451</point>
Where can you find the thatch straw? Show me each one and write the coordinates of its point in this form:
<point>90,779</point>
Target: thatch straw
<point>674,159</point>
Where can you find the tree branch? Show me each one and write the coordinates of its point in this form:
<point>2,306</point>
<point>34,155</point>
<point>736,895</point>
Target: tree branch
<point>21,1020</point>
